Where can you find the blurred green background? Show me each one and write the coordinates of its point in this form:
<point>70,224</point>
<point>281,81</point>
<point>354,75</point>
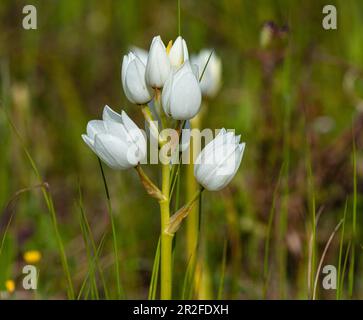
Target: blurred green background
<point>296,100</point>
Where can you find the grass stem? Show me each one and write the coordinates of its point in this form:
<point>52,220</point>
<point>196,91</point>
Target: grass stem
<point>114,235</point>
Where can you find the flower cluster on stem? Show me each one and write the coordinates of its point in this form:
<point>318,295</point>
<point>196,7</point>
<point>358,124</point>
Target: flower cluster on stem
<point>168,87</point>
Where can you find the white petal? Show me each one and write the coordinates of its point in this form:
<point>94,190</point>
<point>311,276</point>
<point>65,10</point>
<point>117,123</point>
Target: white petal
<point>135,86</point>
<point>221,159</point>
<point>211,79</point>
<point>125,63</point>
<point>176,53</point>
<point>117,130</point>
<point>219,139</point>
<point>88,141</point>
<point>158,64</point>
<point>237,139</point>
<point>135,135</point>
<point>127,122</point>
<point>185,51</point>
<point>166,93</point>
<point>217,163</point>
<point>110,115</point>
<point>112,151</point>
<point>94,127</point>
<point>195,70</point>
<point>223,180</point>
<point>141,53</point>
<point>230,137</point>
<point>185,98</point>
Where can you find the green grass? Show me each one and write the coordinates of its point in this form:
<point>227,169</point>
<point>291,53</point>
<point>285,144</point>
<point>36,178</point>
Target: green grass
<point>49,202</point>
<point>354,223</point>
<point>114,234</point>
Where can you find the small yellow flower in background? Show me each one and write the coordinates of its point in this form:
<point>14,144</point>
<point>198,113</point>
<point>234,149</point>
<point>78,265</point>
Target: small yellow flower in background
<point>10,286</point>
<point>32,256</point>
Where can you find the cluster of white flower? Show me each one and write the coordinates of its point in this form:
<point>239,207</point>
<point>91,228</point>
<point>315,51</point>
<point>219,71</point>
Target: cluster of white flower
<point>166,74</point>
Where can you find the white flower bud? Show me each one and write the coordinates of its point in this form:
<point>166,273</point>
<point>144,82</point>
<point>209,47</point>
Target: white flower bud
<point>116,140</point>
<point>211,80</point>
<point>178,53</point>
<point>133,80</point>
<point>181,96</point>
<point>219,161</point>
<point>141,53</point>
<point>158,64</point>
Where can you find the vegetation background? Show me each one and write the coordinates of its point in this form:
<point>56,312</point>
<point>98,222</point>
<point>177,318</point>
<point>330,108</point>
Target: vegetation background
<point>296,99</point>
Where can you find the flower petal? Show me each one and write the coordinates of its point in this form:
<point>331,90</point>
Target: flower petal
<point>94,127</point>
<point>112,151</point>
<point>110,115</point>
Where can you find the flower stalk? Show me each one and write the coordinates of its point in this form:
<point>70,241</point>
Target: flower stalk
<point>192,221</point>
<point>166,238</point>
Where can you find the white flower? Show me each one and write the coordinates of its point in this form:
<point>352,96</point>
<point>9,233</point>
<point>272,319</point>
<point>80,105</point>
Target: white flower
<point>178,53</point>
<point>116,140</point>
<point>133,80</point>
<point>141,53</point>
<point>211,80</point>
<point>181,96</point>
<point>219,161</point>
<point>158,64</point>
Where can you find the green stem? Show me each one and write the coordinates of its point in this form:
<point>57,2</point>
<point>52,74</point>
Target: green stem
<point>166,239</point>
<point>159,108</point>
<point>179,28</point>
<point>192,221</point>
<point>114,237</point>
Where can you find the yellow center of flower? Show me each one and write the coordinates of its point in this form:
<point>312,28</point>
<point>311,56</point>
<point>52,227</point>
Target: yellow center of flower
<point>10,286</point>
<point>170,44</point>
<point>32,256</point>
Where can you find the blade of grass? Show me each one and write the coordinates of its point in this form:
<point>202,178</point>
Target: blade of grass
<point>12,212</point>
<point>205,66</point>
<point>49,202</point>
<point>323,256</point>
<point>338,293</point>
<point>354,222</point>
<point>312,210</point>
<point>155,274</point>
<point>175,171</point>
<point>175,181</point>
<point>188,283</point>
<point>268,235</point>
<point>223,271</point>
<point>92,241</point>
<point>91,273</point>
<point>345,265</point>
<point>179,20</point>
<point>189,278</point>
<point>310,253</point>
<point>282,222</point>
<point>114,236</point>
<point>97,254</point>
<point>6,232</point>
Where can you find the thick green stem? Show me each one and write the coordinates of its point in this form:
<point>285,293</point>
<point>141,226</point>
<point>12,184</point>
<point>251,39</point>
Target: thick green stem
<point>166,239</point>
